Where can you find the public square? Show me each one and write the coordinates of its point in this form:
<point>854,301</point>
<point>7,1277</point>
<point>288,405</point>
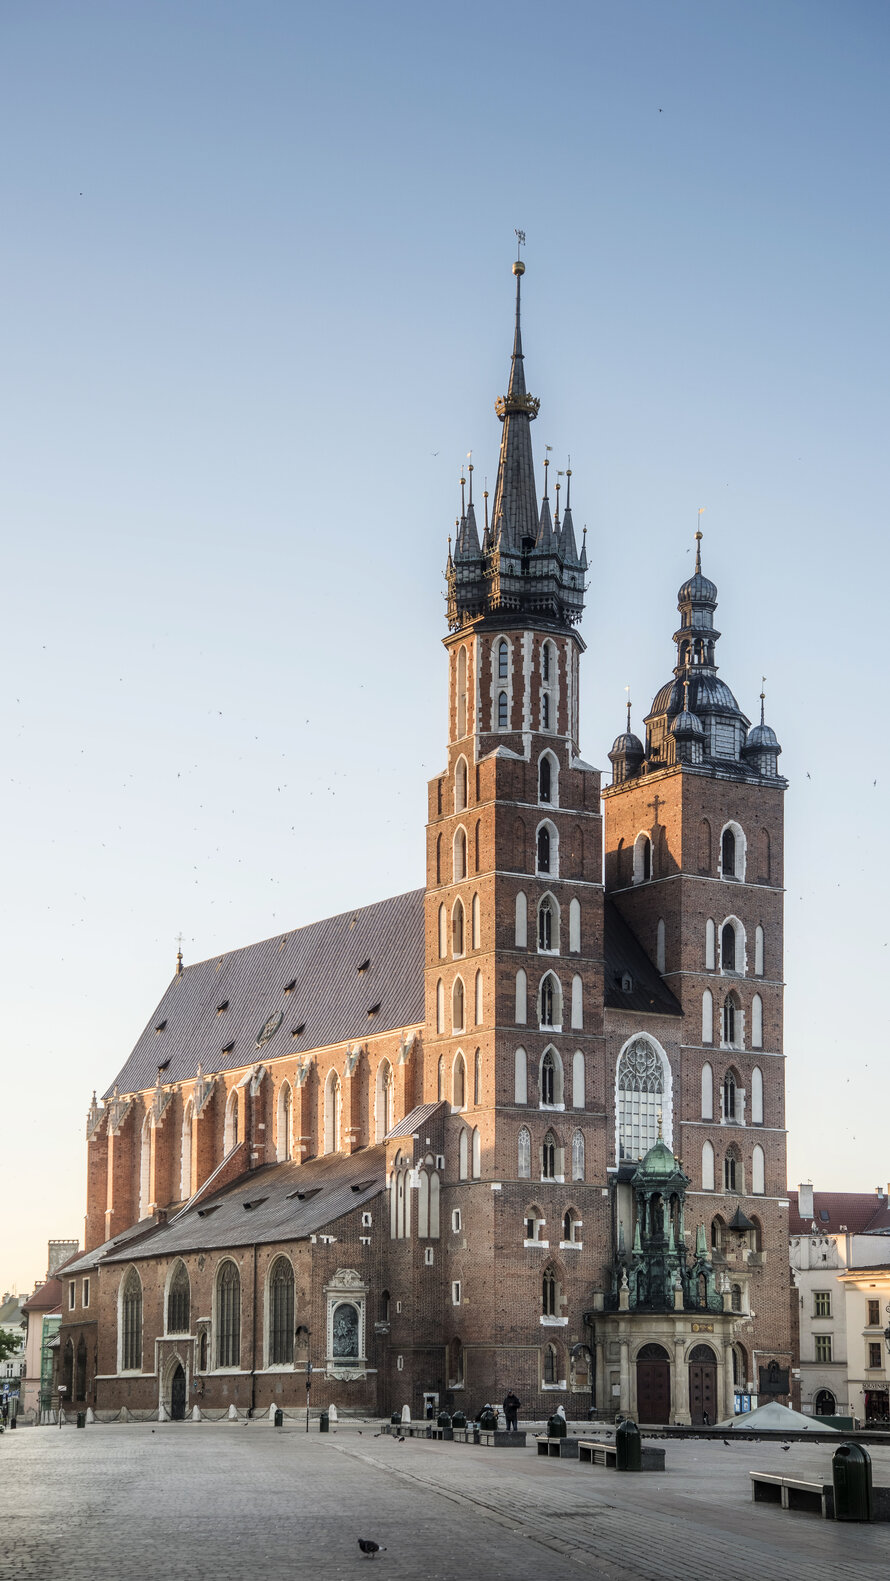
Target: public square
<point>227,1499</point>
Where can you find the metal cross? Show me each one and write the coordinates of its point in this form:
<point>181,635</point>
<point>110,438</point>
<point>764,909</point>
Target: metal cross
<point>520,241</point>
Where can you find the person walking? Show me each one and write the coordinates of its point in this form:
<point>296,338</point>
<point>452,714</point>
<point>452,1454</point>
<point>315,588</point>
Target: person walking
<point>511,1410</point>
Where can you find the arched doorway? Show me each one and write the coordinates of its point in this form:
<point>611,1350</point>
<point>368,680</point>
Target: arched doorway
<point>653,1385</point>
<point>702,1385</point>
<point>177,1394</point>
<point>826,1404</point>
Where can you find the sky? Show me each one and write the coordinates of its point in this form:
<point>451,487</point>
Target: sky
<point>256,277</point>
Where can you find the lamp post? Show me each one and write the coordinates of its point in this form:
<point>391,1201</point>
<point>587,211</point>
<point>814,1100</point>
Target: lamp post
<point>308,1387</point>
<point>887,1336</point>
<point>63,1390</point>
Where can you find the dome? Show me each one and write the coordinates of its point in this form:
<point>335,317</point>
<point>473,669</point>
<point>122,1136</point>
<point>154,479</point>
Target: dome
<point>686,724</point>
<point>707,695</point>
<point>698,590</point>
<point>659,1161</point>
<point>762,739</point>
<point>627,745</point>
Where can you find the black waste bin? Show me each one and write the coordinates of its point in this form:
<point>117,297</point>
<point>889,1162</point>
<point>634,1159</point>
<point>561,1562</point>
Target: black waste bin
<point>443,1419</point>
<point>81,1418</point>
<point>628,1446</point>
<point>851,1475</point>
<point>556,1426</point>
<point>459,1419</point>
<point>488,1421</point>
<point>396,1419</point>
<point>324,1423</point>
<point>279,1417</point>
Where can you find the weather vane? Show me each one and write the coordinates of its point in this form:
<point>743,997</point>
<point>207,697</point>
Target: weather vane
<point>520,242</point>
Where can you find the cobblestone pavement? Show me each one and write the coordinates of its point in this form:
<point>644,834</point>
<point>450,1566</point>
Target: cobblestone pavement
<point>224,1500</point>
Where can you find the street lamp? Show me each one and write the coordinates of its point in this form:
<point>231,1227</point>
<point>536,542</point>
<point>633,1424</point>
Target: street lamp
<point>63,1390</point>
<point>887,1336</point>
<point>308,1387</point>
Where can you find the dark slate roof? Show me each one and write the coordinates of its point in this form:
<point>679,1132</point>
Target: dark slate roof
<point>330,997</point>
<point>413,1121</point>
<point>88,1260</point>
<point>853,1211</point>
<point>280,1202</point>
<point>624,954</point>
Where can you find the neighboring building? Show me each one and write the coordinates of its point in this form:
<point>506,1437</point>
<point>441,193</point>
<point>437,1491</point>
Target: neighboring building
<point>42,1313</point>
<point>838,1246</point>
<point>432,1147</point>
<point>12,1322</point>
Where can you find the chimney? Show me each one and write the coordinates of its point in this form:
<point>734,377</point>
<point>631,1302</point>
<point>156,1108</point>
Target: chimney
<point>805,1200</point>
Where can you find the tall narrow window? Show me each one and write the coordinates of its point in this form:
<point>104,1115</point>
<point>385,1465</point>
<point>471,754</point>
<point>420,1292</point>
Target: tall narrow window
<point>332,1102</point>
<point>440,1083</point>
<point>477,1078</point>
<point>457,928</point>
<point>707,1016</point>
<point>728,947</point>
<point>503,660</point>
<point>232,1127</point>
<point>544,780</point>
<point>520,1076</point>
<point>443,933</point>
<point>521,998</point>
<point>460,855</point>
<point>545,711</point>
<point>757,1096</point>
<point>578,1156</point>
<point>476,1153</point>
<point>438,859</point>
<point>502,710</point>
<point>457,1006</point>
<point>479,1006</point>
<point>548,1157</point>
<point>548,1293</point>
<point>477,922</point>
<point>459,1083</point>
<point>284,1140</point>
<point>758,1171</point>
<point>460,785</point>
<point>575,927</point>
<point>131,1322</point>
<point>520,934</point>
<point>543,849</point>
<point>545,925</point>
<point>228,1316</point>
<point>179,1301</point>
<point>757,1022</point>
<point>281,1313</point>
<point>731,1022</point>
<point>730,1172</point>
<point>729,1096</point>
<point>707,1092</point>
<point>385,1092</point>
<point>577,1003</point>
<point>659,944</point>
<point>551,1002</point>
<point>710,945</point>
<point>577,1080</point>
<point>551,1365</point>
<point>707,1167</point>
<point>545,661</point>
<point>440,1006</point>
<point>524,1154</point>
<point>462,697</point>
<point>185,1152</point>
<point>463,1167</point>
<point>758,951</point>
<point>548,1079</point>
<point>727,853</point>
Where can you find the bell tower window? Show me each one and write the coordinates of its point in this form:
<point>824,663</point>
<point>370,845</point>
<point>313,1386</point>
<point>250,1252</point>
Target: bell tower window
<point>502,710</point>
<point>503,660</point>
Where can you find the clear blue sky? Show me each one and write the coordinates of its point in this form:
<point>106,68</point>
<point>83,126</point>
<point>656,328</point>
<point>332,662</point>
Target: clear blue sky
<point>255,272</point>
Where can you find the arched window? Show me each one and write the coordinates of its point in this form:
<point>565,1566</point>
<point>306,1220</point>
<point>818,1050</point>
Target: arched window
<point>577,1003</point>
<point>440,1006</point>
<point>521,928</point>
<point>423,1205</point>
<point>443,933</point>
<point>332,1109</point>
<point>502,711</point>
<point>707,1016</point>
<point>479,1006</point>
<point>477,922</point>
<point>503,660</point>
<point>728,947</point>
<point>457,928</point>
<point>707,1167</point>
<point>544,779</point>
<point>545,711</point>
<point>757,1096</point>
<point>281,1313</point>
<point>440,1087</point>
<point>707,1092</point>
<point>145,1167</point>
<point>549,1148</point>
<point>545,661</point>
<point>546,930</point>
<point>460,855</point>
<point>731,1101</point>
<point>519,861</point>
<point>764,856</point>
<point>550,1001</point>
<point>704,846</point>
<point>185,1152</point>
<point>710,945</point>
<point>232,1126</point>
<point>202,1351</point>
<point>718,1235</point>
<point>438,859</point>
<point>826,1404</point>
<point>131,1322</point>
<point>570,1225</point>
<point>551,1365</point>
<point>575,927</point>
<point>758,1171</point>
<point>642,1083</point>
<point>551,1083</point>
<point>520,1077</point>
<point>757,1022</point>
<point>524,1154</point>
<point>736,1298</point>
<point>476,1152</point>
<point>756,1234</point>
<point>435,1212</point>
<point>758,951</point>
<point>385,1092</point>
<point>521,997</point>
<point>459,1083</point>
<point>732,1022</point>
<point>659,944</point>
<point>577,1080</point>
<point>179,1301</point>
<point>81,1372</point>
<point>549,1293</point>
<point>457,1005</point>
<point>578,1156</point>
<point>285,1129</point>
<point>460,785</point>
<point>477,1078</point>
<point>732,1171</point>
<point>642,859</point>
<point>477,835</point>
<point>301,1340</point>
<point>228,1316</point>
<point>462,697</point>
<point>543,849</point>
<point>727,853</point>
<point>463,1168</point>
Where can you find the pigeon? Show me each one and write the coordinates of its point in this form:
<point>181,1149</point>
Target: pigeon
<point>370,1548</point>
<point>786,1446</point>
<point>726,1442</point>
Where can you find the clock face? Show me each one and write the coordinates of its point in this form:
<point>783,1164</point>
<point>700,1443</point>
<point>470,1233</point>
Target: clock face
<point>268,1029</point>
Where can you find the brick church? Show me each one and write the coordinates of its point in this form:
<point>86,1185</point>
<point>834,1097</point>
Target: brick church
<point>520,1128</point>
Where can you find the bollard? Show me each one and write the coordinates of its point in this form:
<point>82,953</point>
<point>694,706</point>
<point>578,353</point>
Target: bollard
<point>628,1446</point>
<point>851,1476</point>
<point>324,1423</point>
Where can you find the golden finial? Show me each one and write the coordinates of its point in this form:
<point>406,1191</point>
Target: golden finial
<point>762,696</point>
<point>519,266</point>
<point>179,955</point>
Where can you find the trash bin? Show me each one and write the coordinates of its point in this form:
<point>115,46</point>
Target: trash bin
<point>396,1419</point>
<point>556,1426</point>
<point>279,1417</point>
<point>324,1423</point>
<point>628,1446</point>
<point>81,1418</point>
<point>443,1419</point>
<point>488,1421</point>
<point>459,1419</point>
<point>851,1475</point>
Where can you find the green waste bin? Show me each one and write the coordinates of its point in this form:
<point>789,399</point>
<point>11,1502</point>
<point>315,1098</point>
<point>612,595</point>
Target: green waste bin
<point>324,1423</point>
<point>459,1419</point>
<point>396,1419</point>
<point>81,1418</point>
<point>279,1417</point>
<point>488,1421</point>
<point>556,1426</point>
<point>628,1446</point>
<point>851,1475</point>
<point>443,1419</point>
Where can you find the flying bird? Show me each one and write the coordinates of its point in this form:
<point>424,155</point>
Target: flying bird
<point>370,1548</point>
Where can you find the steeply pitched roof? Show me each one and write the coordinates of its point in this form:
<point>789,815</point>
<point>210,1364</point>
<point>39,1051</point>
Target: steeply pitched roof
<point>625,957</point>
<point>413,1121</point>
<point>308,978</point>
<point>280,1202</point>
<point>89,1260</point>
<point>46,1298</point>
<point>837,1211</point>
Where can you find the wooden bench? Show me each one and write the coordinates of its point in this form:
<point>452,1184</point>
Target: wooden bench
<point>558,1448</point>
<point>792,1493</point>
<point>597,1454</point>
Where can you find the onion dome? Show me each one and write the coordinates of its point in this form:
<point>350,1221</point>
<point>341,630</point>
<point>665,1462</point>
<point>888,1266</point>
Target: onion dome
<point>763,737</point>
<point>687,726</point>
<point>698,589</point>
<point>627,754</point>
<point>761,749</point>
<point>659,1163</point>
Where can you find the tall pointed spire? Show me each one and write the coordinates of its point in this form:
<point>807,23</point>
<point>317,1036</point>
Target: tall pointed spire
<point>515,499</point>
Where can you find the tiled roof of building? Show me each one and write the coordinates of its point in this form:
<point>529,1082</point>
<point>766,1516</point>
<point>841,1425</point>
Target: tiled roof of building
<point>280,1202</point>
<point>413,1121</point>
<point>11,1311</point>
<point>626,958</point>
<point>341,979</point>
<point>46,1298</point>
<point>835,1212</point>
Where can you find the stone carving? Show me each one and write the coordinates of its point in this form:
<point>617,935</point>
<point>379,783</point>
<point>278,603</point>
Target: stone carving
<point>303,1068</point>
<point>256,1077</point>
<point>347,1279</point>
<point>352,1058</point>
<point>94,1115</point>
<point>773,1379</point>
<point>344,1331</point>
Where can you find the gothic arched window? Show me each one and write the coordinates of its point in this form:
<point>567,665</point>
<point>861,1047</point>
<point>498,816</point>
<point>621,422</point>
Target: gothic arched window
<point>545,711</point>
<point>524,1154</point>
<point>548,1157</point>
<point>544,780</point>
<point>457,928</point>
<point>502,710</point>
<point>641,1098</point>
<point>179,1301</point>
<point>385,1089</point>
<point>545,925</point>
<point>728,947</point>
<point>457,1006</point>
<point>503,660</point>
<point>551,1002</point>
<point>131,1322</point>
<point>729,1096</point>
<point>228,1316</point>
<point>459,1084</point>
<point>543,849</point>
<point>727,853</point>
<point>548,1078</point>
<point>285,1105</point>
<point>578,1156</point>
<point>281,1313</point>
<point>332,1103</point>
<point>549,1293</point>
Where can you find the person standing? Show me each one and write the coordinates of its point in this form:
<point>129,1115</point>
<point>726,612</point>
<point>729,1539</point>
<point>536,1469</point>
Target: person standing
<point>511,1409</point>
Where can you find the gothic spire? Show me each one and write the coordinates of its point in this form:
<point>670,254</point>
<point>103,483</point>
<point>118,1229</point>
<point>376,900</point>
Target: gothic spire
<point>515,500</point>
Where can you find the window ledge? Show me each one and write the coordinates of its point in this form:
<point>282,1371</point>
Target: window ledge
<point>536,1243</point>
<point>554,1322</point>
<point>544,1026</point>
<point>553,1180</point>
<point>571,1246</point>
<point>554,1388</point>
<point>552,953</point>
<point>554,1108</point>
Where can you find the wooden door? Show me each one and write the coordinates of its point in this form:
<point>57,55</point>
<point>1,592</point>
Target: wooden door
<point>703,1402</point>
<point>653,1385</point>
<point>177,1395</point>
